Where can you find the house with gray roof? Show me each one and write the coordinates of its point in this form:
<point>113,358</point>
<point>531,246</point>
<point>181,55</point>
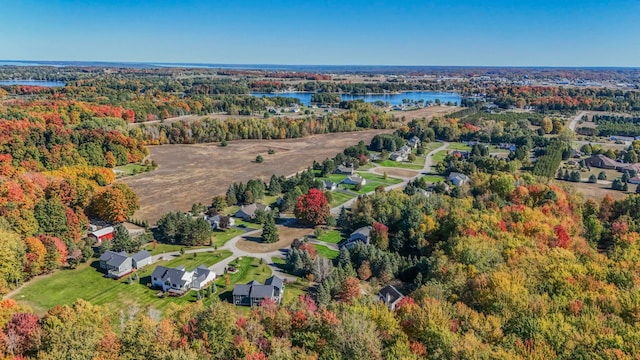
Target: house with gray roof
<point>179,280</point>
<point>362,235</point>
<point>345,170</point>
<point>355,180</point>
<point>329,185</point>
<point>253,293</point>
<point>248,212</point>
<point>390,296</point>
<point>141,259</point>
<point>458,179</point>
<point>116,264</point>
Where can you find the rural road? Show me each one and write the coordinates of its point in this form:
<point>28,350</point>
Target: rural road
<point>230,245</point>
<point>575,119</point>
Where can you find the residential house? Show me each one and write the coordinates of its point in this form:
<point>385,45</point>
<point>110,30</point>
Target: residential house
<point>169,279</point>
<point>390,296</point>
<point>253,293</point>
<point>329,185</point>
<point>630,168</point>
<point>106,233</point>
<point>362,234</point>
<point>398,156</point>
<point>202,277</point>
<point>634,180</point>
<point>355,180</point>
<point>458,179</point>
<point>345,170</point>
<point>215,220</point>
<point>141,259</point>
<point>405,149</point>
<point>414,142</point>
<point>507,146</point>
<point>602,162</point>
<point>116,264</point>
<point>248,212</point>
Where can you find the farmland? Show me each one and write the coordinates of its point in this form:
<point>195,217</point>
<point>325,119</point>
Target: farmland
<point>188,174</point>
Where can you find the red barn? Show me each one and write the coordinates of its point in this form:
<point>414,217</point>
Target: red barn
<point>103,234</point>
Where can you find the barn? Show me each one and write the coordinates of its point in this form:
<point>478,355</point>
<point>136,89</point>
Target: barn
<point>106,233</point>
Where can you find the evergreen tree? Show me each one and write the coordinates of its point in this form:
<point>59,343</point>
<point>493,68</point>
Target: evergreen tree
<point>270,231</point>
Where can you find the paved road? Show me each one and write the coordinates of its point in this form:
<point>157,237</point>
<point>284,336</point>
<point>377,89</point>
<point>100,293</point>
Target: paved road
<point>575,119</point>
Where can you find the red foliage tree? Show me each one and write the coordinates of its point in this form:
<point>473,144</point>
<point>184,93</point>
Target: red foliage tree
<point>349,289</point>
<point>312,208</point>
<point>22,333</point>
<point>380,235</point>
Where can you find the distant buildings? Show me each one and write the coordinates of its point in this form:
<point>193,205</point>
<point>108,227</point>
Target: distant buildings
<point>248,212</point>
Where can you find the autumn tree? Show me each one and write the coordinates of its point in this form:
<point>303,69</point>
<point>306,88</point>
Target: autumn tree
<point>312,208</point>
<point>115,203</point>
<point>349,289</point>
<point>12,260</point>
<point>364,271</point>
<point>380,235</point>
<point>35,256</point>
<point>56,252</point>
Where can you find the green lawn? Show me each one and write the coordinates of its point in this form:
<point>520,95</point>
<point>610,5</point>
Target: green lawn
<point>401,165</point>
<point>162,248</point>
<point>433,178</point>
<point>458,146</point>
<point>333,237</point>
<point>373,181</point>
<point>326,252</point>
<point>439,156</point>
<point>86,282</point>
<point>130,169</point>
<point>338,198</point>
<point>430,146</point>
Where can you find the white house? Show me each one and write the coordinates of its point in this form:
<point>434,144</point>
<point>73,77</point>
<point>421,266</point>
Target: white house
<point>398,156</point>
<point>329,185</point>
<point>390,296</point>
<point>355,180</point>
<point>141,259</point>
<point>214,221</point>
<point>414,142</point>
<point>458,179</point>
<point>180,280</point>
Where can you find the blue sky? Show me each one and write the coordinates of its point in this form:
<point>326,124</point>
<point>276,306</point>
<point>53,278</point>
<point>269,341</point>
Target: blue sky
<point>463,32</point>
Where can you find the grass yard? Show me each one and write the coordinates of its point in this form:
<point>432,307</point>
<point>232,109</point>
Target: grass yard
<point>249,268</point>
<point>402,165</point>
<point>166,248</point>
<point>430,146</point>
<point>219,238</point>
<point>333,237</point>
<point>439,156</point>
<point>131,169</point>
<point>458,146</point>
<point>86,282</point>
<point>326,252</point>
<point>338,198</point>
<point>433,178</point>
<point>373,181</point>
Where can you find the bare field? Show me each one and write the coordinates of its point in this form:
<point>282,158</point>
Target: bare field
<point>188,174</point>
<point>428,112</point>
<point>596,192</point>
<point>254,244</point>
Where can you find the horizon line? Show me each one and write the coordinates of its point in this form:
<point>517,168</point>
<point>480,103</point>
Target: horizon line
<point>213,64</point>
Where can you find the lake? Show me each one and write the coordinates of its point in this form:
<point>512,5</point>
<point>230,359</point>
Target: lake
<point>393,99</point>
<point>33,83</point>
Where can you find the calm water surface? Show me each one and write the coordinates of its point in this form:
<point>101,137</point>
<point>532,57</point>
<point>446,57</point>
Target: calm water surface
<point>393,99</point>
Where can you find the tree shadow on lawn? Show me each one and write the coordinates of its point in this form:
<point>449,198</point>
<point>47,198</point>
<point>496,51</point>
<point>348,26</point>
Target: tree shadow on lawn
<point>256,239</point>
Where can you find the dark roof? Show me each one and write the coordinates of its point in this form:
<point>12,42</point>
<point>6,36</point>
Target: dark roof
<point>262,291</point>
<point>241,290</point>
<point>201,272</point>
<point>275,281</point>
<point>365,230</point>
<point>389,294</point>
<point>118,259</point>
<point>174,276</point>
<point>253,282</point>
<point>140,255</point>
